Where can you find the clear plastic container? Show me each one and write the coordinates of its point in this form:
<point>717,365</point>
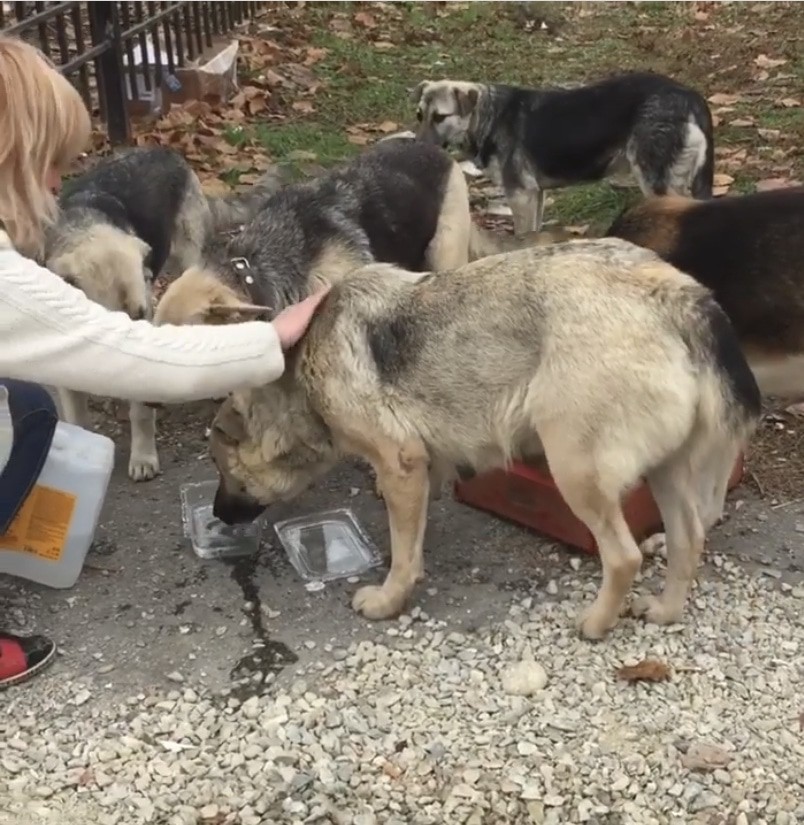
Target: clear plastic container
<point>326,546</point>
<point>51,534</point>
<point>210,537</point>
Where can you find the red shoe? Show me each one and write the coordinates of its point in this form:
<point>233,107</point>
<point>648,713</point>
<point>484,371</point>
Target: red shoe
<point>22,657</point>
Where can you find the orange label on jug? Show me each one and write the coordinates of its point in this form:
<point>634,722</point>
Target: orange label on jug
<point>41,525</point>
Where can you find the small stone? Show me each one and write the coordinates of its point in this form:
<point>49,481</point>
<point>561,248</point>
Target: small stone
<point>526,748</point>
<point>524,678</point>
<point>536,812</point>
<point>209,812</point>
<point>552,588</point>
<point>175,676</point>
<point>82,697</point>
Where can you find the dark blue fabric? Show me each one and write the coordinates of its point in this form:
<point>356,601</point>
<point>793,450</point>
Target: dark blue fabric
<point>35,417</point>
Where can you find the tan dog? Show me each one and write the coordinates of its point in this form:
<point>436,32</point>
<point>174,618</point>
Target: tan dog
<point>596,354</point>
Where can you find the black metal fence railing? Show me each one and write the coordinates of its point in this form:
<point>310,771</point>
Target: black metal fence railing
<point>117,54</point>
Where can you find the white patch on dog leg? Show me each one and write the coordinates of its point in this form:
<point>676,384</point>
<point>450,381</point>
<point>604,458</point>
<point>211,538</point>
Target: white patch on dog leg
<point>143,464</point>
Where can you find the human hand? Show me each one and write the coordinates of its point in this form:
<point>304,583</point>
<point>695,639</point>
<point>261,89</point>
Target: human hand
<point>293,321</point>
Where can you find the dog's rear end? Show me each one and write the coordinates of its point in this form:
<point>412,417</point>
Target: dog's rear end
<point>749,250</point>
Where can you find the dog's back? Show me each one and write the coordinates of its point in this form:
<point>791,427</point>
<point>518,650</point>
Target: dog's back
<point>748,249</point>
<point>140,191</point>
<point>516,342</point>
<point>384,205</point>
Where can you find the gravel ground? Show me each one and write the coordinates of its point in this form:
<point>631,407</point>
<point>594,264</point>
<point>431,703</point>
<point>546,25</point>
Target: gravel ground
<point>419,724</point>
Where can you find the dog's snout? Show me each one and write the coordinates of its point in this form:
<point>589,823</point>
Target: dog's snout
<point>235,509</point>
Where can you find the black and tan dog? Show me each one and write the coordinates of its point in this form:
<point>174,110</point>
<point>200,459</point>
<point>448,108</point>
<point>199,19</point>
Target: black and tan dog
<point>530,140</point>
<point>749,250</point>
<point>596,354</point>
<point>401,202</point>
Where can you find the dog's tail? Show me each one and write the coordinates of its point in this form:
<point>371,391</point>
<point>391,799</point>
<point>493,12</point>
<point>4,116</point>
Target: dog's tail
<point>230,210</point>
<point>483,243</point>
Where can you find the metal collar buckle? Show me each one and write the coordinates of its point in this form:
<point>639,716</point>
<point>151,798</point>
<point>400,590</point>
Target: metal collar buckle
<point>242,267</point>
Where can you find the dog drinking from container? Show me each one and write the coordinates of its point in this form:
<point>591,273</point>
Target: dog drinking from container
<point>598,355</point>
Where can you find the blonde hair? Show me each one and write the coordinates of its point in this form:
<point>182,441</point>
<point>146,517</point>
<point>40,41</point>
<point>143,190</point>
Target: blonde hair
<point>43,125</point>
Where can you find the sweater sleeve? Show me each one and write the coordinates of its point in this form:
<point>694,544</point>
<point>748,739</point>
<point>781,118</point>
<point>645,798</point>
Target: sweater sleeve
<point>51,333</point>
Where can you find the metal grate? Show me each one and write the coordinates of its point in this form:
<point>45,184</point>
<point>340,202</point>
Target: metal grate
<point>119,52</point>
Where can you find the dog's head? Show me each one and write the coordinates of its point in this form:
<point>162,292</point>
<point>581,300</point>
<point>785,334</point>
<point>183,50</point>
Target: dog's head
<point>110,266</point>
<point>444,110</point>
<point>268,446</point>
<point>199,296</point>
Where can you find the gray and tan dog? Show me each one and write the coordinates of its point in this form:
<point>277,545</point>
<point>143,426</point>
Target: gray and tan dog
<point>596,354</point>
<point>530,140</point>
<point>127,220</point>
<point>401,202</point>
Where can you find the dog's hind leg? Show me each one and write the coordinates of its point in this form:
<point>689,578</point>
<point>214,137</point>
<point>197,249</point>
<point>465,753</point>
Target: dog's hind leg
<point>677,493</point>
<point>403,474</point>
<point>143,463</point>
<point>449,248</point>
<point>596,502</point>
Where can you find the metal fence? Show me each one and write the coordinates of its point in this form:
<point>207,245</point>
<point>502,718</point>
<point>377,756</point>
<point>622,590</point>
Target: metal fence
<point>118,54</point>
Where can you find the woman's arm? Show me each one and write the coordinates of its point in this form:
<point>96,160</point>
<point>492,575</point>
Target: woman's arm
<point>51,333</point>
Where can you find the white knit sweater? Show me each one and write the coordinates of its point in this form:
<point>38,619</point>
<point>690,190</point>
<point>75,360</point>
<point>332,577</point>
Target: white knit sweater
<point>50,333</point>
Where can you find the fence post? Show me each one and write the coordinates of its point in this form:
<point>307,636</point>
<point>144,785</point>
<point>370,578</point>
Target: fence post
<point>106,29</point>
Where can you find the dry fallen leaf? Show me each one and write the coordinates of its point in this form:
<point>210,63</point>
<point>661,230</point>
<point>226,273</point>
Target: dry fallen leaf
<point>303,106</point>
<point>769,184</point>
<point>388,126</point>
<point>742,121</point>
<point>723,99</point>
<point>384,44</point>
<point>790,102</point>
<point>722,179</point>
<point>765,62</point>
<point>769,134</point>
<point>648,670</point>
<point>363,18</point>
<point>701,756</point>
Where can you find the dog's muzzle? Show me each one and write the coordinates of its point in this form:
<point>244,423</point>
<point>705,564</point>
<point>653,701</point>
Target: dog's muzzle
<point>235,509</point>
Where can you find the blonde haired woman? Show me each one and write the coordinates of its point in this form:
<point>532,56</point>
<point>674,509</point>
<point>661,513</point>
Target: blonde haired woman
<point>50,333</point>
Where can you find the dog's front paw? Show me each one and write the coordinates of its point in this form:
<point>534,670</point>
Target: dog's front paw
<point>594,623</point>
<point>656,611</point>
<point>376,602</point>
<point>143,467</point>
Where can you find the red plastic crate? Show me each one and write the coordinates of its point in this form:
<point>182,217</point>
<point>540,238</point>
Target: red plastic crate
<point>527,495</point>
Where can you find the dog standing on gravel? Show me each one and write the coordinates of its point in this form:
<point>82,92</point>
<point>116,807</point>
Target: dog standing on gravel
<point>596,354</point>
<point>401,201</point>
<point>749,250</point>
<point>128,219</point>
<point>529,140</point>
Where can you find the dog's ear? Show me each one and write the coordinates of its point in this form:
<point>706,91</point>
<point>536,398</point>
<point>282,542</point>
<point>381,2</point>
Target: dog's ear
<point>418,91</point>
<point>466,100</point>
<point>229,425</point>
<point>236,313</point>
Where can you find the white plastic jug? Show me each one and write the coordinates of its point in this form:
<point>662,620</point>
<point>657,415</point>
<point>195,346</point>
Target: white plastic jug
<point>51,534</point>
